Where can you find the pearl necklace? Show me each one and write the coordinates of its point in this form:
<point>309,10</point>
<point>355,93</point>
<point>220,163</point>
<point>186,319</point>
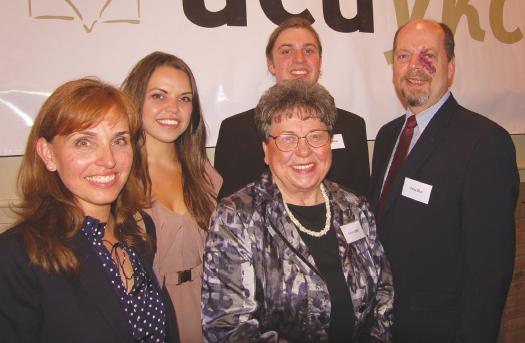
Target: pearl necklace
<point>327,223</point>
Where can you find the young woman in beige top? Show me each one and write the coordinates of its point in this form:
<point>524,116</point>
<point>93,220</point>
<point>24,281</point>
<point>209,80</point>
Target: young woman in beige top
<point>184,184</point>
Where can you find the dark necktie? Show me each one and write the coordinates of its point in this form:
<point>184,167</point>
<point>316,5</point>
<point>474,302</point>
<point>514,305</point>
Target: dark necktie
<point>399,157</point>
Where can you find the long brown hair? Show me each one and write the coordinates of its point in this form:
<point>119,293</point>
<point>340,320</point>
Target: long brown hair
<point>48,215</point>
<point>191,150</point>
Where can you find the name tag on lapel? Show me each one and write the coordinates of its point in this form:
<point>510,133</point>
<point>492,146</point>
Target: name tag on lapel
<point>337,141</point>
<point>353,231</point>
<point>416,190</point>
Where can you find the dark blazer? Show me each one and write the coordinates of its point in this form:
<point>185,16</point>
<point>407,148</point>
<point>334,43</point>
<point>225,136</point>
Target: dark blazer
<point>452,260</point>
<point>239,156</point>
<point>37,306</point>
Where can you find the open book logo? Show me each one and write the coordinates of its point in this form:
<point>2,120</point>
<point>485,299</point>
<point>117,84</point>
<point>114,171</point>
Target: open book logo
<point>88,12</point>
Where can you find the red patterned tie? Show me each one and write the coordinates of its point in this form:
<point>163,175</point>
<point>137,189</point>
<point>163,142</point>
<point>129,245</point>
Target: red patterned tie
<point>399,157</point>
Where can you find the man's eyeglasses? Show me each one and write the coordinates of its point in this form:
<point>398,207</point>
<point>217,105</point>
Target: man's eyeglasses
<point>289,141</point>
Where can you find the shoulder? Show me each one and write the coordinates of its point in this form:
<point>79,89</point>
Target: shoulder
<point>392,125</point>
<point>477,123</point>
<point>247,207</point>
<point>341,193</point>
<point>21,287</point>
<point>468,121</point>
<point>214,176</point>
<point>476,129</point>
<point>345,116</point>
<point>345,198</point>
<point>11,245</point>
<point>235,222</point>
<point>13,257</point>
<point>238,118</point>
<point>240,210</point>
<point>235,129</point>
<point>350,124</point>
<point>240,203</point>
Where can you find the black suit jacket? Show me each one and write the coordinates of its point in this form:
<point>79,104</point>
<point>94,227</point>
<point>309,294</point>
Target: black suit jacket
<point>36,306</point>
<point>452,260</point>
<point>239,156</point>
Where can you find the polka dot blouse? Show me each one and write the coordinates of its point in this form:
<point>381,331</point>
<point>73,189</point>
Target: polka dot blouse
<point>142,305</point>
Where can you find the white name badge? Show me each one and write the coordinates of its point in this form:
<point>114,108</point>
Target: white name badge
<point>353,231</point>
<point>337,141</point>
<point>416,190</point>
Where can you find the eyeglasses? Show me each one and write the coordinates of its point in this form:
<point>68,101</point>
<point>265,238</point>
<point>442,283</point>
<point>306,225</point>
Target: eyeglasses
<point>289,141</point>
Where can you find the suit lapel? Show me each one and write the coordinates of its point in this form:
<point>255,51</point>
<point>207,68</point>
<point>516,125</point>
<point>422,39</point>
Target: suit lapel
<point>390,144</point>
<point>97,286</point>
<point>380,162</point>
<point>422,150</point>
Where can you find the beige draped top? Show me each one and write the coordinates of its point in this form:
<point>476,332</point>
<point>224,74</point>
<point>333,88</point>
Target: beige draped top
<point>180,246</point>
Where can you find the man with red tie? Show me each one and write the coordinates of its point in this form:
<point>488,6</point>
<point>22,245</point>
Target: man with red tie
<point>444,186</point>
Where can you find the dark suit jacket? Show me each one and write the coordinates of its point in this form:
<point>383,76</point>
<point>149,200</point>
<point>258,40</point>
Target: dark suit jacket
<point>239,156</point>
<point>452,260</point>
<point>36,306</point>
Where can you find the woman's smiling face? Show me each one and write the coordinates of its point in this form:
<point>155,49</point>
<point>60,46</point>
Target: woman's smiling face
<point>303,169</point>
<point>93,164</point>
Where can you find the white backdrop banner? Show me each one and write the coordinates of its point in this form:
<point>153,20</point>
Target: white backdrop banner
<point>48,42</point>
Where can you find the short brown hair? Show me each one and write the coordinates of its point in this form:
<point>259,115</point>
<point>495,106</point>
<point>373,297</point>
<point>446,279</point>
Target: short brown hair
<point>293,97</point>
<point>291,23</point>
<point>48,214</point>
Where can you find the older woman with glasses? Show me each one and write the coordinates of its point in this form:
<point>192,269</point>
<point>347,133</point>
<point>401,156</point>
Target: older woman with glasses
<point>294,257</point>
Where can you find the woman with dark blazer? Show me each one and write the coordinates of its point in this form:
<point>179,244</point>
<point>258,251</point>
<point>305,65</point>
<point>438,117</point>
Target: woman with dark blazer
<point>77,265</point>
